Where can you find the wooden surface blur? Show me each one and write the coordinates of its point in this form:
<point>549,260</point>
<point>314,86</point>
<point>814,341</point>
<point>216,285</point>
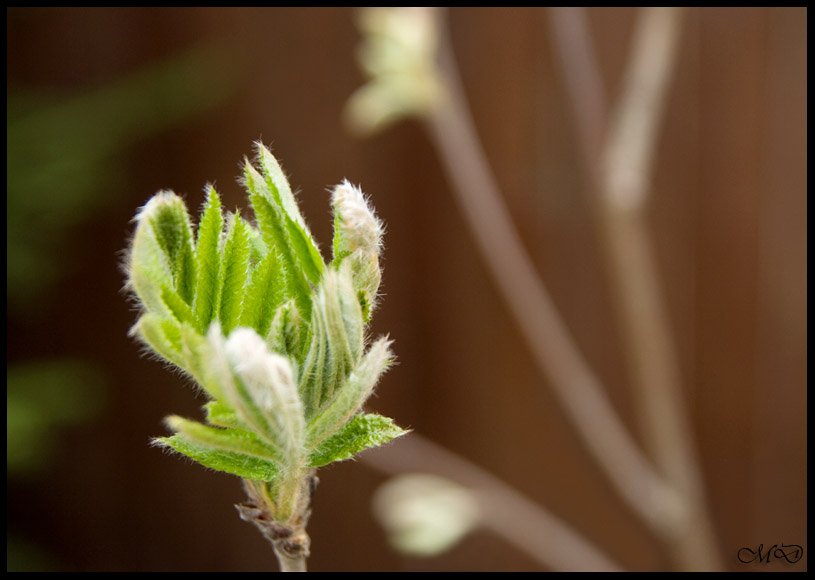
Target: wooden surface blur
<point>728,215</point>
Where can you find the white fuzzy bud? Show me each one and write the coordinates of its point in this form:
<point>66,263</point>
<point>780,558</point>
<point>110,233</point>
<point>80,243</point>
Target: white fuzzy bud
<point>260,386</point>
<point>358,236</point>
<point>360,228</point>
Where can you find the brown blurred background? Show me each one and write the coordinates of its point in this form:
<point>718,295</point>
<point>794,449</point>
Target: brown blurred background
<point>106,106</point>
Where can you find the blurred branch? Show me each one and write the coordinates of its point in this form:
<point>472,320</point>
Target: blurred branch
<point>505,511</point>
<point>575,385</point>
<point>586,93</point>
<point>620,168</point>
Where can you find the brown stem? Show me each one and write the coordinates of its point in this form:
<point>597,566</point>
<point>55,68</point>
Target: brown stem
<point>289,539</point>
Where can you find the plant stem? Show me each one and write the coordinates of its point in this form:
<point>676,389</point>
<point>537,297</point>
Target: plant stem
<point>620,161</point>
<point>573,382</point>
<point>288,538</point>
<point>289,563</point>
<point>505,511</point>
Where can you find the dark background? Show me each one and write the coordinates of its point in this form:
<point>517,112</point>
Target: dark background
<point>727,211</point>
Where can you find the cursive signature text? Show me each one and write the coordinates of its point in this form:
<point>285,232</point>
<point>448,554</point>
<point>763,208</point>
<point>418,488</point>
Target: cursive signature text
<point>791,553</point>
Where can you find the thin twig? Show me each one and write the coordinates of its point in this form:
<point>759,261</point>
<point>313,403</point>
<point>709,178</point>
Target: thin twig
<point>621,174</point>
<point>575,385</point>
<point>573,39</point>
<point>506,512</point>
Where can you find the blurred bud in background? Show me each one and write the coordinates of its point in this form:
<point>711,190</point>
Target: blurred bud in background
<point>398,55</point>
<point>425,515</point>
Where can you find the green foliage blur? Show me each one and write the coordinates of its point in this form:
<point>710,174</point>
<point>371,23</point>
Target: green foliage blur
<point>65,163</point>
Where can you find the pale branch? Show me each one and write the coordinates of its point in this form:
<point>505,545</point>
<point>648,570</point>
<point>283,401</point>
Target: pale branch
<point>506,512</point>
<point>620,174</point>
<point>573,382</point>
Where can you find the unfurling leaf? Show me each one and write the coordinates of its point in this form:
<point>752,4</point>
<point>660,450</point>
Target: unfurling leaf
<point>167,214</point>
<point>337,328</point>
<point>353,393</point>
<point>263,391</point>
<point>273,336</point>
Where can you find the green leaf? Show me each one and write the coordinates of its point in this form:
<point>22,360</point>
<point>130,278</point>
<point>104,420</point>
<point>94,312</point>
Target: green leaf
<point>172,331</point>
<point>174,234</point>
<point>316,367</point>
<point>337,338</point>
<point>196,356</point>
<point>221,415</point>
<point>257,247</point>
<point>234,268</point>
<point>306,251</point>
<point>148,269</point>
<point>263,295</point>
<point>271,222</point>
<point>352,395</point>
<point>229,439</point>
<point>152,329</point>
<point>277,184</point>
<point>340,248</point>
<point>208,261</point>
<point>362,432</point>
<point>177,306</point>
<point>289,333</point>
<point>305,247</point>
<point>231,462</point>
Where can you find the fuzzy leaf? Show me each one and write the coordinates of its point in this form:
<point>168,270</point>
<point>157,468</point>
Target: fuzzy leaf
<point>264,392</point>
<point>230,439</point>
<point>257,247</point>
<point>338,338</point>
<point>171,224</point>
<point>263,295</point>
<point>289,334</point>
<point>234,268</point>
<point>239,464</point>
<point>362,432</point>
<point>271,222</point>
<point>352,395</point>
<point>231,389</point>
<point>316,367</point>
<point>148,269</point>
<point>152,329</point>
<point>306,250</point>
<point>208,261</point>
<point>177,306</point>
<point>221,415</point>
<point>195,353</point>
<point>278,184</point>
